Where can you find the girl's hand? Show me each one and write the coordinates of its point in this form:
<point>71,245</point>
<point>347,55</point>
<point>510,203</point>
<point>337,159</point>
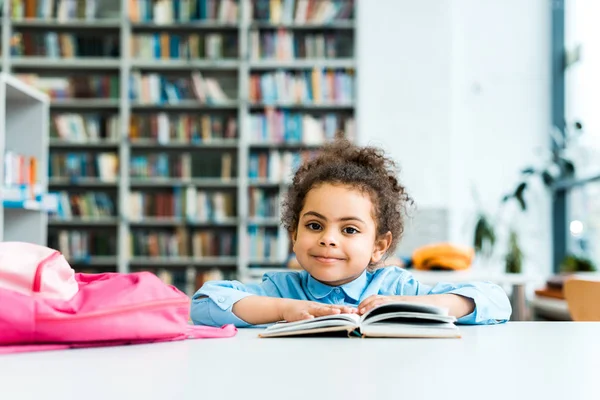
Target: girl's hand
<point>376,300</point>
<point>296,310</point>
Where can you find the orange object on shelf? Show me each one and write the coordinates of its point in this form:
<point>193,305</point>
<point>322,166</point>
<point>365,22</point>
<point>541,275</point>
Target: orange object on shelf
<point>443,256</point>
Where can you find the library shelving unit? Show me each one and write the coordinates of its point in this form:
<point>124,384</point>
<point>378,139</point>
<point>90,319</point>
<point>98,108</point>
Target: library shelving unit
<point>24,155</point>
<point>175,124</point>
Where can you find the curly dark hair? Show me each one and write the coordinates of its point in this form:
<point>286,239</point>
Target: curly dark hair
<point>365,168</point>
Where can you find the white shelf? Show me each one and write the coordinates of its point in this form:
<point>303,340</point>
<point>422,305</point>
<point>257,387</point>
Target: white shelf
<point>24,121</point>
<point>184,105</point>
<point>160,64</point>
<point>103,144</point>
<point>303,64</point>
<point>303,106</point>
<point>85,104</point>
<point>84,221</point>
<point>305,26</point>
<point>212,144</point>
<point>184,26</point>
<point>109,24</point>
<point>84,182</point>
<point>65,63</point>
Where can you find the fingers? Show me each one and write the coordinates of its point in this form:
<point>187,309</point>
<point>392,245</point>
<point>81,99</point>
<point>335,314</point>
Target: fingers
<point>371,302</point>
<point>321,310</point>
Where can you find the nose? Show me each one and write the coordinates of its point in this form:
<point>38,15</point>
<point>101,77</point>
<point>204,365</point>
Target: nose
<point>328,239</point>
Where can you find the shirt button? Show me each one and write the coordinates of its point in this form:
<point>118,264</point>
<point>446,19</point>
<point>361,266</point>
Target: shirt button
<point>337,290</point>
<point>221,299</point>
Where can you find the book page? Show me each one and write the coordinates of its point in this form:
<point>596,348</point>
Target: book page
<point>404,306</point>
<point>325,321</point>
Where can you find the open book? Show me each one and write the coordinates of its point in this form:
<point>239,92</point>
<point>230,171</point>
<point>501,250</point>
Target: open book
<point>396,319</point>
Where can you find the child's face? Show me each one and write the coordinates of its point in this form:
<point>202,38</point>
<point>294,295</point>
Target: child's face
<point>336,237</point>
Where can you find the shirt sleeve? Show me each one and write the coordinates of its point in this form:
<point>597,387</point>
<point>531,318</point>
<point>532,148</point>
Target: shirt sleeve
<point>212,304</point>
<point>491,302</point>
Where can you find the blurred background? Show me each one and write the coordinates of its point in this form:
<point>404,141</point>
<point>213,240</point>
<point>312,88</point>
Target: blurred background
<point>173,128</point>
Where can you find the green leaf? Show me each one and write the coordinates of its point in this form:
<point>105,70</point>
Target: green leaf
<point>519,195</point>
<point>568,167</point>
<point>547,178</point>
<point>528,171</point>
<point>520,189</point>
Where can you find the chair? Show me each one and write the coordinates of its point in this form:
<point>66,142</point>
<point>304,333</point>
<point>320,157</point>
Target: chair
<point>583,299</point>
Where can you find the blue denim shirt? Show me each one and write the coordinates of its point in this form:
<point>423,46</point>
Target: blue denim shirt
<point>491,303</point>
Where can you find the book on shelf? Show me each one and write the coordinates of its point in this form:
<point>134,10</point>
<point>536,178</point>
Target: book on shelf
<point>301,11</point>
<point>75,87</point>
<point>276,165</point>
<point>159,244</point>
<point>82,245</point>
<point>156,204</point>
<point>154,88</point>
<point>205,206</point>
<point>54,45</point>
<point>171,11</point>
<point>81,128</point>
<point>20,170</point>
<point>167,128</point>
<point>319,86</point>
<point>263,243</point>
<point>90,205</point>
<point>175,46</point>
<point>282,126</point>
<point>183,166</point>
<point>396,319</point>
<point>175,243</point>
<point>286,45</point>
<point>103,165</point>
<point>262,203</point>
<point>63,10</point>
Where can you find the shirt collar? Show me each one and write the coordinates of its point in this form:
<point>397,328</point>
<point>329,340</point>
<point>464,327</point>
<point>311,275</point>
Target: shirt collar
<point>352,289</point>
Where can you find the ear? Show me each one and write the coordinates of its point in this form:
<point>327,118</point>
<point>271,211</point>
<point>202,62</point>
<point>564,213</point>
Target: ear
<point>293,235</point>
<point>381,245</point>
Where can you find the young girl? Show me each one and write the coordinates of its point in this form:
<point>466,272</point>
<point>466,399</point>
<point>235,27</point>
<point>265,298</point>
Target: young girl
<point>344,213</point>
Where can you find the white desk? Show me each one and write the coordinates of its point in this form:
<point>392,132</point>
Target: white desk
<point>518,360</point>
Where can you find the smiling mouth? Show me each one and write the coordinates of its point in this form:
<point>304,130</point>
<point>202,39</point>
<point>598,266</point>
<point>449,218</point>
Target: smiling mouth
<point>327,260</point>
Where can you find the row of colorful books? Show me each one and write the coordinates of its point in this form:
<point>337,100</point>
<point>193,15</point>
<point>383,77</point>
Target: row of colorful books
<point>277,126</point>
<point>80,245</point>
<point>103,165</point>
<point>276,165</point>
<point>63,45</point>
<point>302,11</point>
<point>182,128</point>
<point>90,205</point>
<point>82,128</point>
<point>211,46</point>
<point>185,166</point>
<point>319,86</point>
<point>285,45</point>
<point>165,244</point>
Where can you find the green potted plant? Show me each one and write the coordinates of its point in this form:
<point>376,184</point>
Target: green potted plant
<point>555,168</point>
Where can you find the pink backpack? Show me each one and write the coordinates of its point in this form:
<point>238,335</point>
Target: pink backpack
<point>45,305</point>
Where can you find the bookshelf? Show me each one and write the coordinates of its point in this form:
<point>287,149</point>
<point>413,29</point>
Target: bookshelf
<point>151,149</point>
<point>24,153</point>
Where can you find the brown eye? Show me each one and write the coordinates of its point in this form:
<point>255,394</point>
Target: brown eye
<point>313,226</point>
<point>350,230</point>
